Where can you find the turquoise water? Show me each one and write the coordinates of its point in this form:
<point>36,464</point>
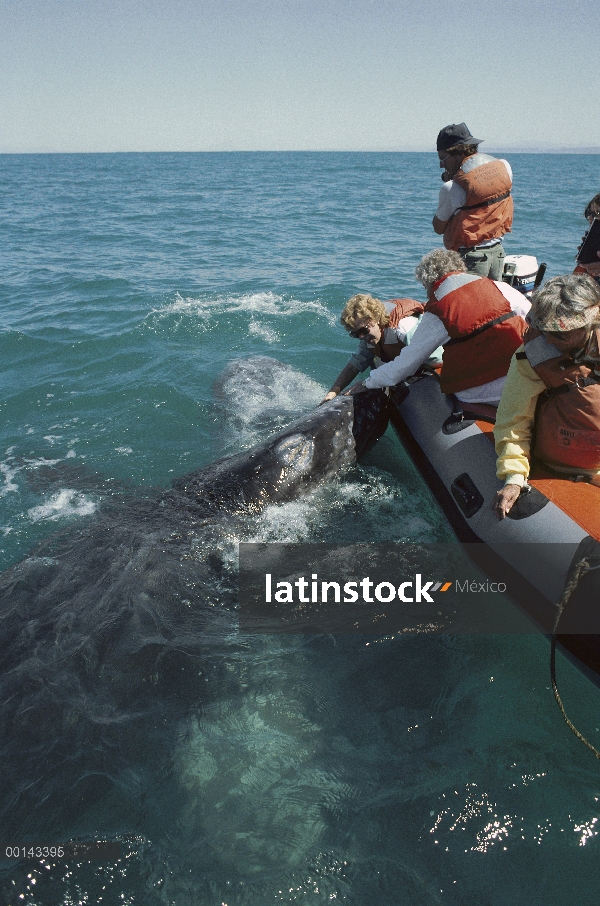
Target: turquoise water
<point>396,771</point>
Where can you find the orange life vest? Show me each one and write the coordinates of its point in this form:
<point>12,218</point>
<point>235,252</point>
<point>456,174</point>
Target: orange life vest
<point>402,309</point>
<point>567,421</point>
<point>488,209</point>
<point>484,331</point>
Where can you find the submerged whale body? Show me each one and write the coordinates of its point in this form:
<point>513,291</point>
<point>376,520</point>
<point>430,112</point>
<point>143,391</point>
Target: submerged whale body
<point>110,630</point>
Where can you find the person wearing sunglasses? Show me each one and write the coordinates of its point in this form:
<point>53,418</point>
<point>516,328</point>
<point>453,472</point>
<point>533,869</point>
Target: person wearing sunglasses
<point>550,407</point>
<point>475,207</point>
<point>382,329</point>
<point>478,322</point>
<point>591,213</point>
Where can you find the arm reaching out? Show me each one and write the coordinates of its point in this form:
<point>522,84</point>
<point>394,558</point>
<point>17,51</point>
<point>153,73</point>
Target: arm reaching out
<point>345,377</point>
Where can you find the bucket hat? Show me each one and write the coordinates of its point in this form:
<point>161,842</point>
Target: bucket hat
<point>559,319</point>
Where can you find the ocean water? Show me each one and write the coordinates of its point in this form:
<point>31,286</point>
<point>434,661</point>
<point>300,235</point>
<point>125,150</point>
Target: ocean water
<point>252,770</point>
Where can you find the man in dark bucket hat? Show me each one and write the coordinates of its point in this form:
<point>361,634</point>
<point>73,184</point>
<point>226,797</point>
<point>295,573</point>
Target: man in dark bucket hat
<point>475,205</point>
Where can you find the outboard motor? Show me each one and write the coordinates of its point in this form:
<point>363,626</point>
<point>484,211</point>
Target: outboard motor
<point>522,272</point>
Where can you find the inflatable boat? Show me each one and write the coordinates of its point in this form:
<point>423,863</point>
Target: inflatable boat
<point>540,546</point>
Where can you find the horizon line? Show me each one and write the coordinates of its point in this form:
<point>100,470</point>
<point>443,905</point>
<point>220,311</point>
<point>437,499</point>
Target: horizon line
<point>512,149</point>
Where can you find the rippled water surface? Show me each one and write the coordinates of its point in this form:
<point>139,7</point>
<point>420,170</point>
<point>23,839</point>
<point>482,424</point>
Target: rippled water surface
<point>248,770</point>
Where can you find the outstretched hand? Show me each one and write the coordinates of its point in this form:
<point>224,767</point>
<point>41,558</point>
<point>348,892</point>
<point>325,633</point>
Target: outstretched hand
<point>505,500</point>
<point>356,388</point>
<point>328,396</point>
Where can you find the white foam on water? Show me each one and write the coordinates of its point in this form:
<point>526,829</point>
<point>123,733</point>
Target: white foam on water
<point>69,422</point>
<point>124,450</point>
<point>64,504</point>
<point>37,463</point>
<point>385,508</point>
<point>286,523</point>
<point>264,395</point>
<point>261,330</point>
<point>267,303</point>
<point>8,473</point>
<point>11,468</point>
<point>291,393</point>
<point>374,510</point>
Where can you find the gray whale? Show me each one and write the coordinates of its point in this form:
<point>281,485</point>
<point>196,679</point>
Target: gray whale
<point>115,627</point>
<point>295,461</point>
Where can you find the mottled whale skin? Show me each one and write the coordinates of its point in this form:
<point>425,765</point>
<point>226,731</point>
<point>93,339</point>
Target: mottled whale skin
<point>294,461</point>
<point>121,618</point>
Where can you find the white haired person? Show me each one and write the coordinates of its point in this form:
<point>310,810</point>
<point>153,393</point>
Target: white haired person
<point>550,407</point>
<point>479,322</point>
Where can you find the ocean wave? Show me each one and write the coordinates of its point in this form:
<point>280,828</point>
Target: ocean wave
<point>205,309</point>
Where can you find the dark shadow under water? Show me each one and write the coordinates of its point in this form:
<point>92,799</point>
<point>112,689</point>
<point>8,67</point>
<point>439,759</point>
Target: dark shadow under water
<point>251,770</point>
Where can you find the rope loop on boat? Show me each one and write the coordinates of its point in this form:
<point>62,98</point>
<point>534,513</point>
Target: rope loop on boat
<point>580,570</point>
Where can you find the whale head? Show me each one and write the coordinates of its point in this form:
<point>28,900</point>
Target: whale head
<point>309,451</point>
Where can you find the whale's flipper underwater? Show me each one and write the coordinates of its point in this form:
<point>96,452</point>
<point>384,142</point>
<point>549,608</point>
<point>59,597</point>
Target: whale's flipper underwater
<point>116,626</point>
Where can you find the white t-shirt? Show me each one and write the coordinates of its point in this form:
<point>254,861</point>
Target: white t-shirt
<point>452,196</point>
<point>430,334</point>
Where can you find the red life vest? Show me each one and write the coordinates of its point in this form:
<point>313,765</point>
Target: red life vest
<point>484,331</point>
<point>488,209</point>
<point>567,421</point>
<point>402,309</point>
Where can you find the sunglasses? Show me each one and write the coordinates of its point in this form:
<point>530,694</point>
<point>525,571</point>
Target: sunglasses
<point>561,334</point>
<point>555,334</point>
<point>360,332</point>
<point>444,159</point>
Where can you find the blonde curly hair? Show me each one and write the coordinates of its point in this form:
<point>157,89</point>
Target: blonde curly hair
<point>364,307</point>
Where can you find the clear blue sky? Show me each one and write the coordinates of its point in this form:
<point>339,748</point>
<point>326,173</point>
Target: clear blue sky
<point>210,75</point>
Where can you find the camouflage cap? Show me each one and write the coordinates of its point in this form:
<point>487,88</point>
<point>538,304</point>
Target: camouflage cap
<point>563,321</point>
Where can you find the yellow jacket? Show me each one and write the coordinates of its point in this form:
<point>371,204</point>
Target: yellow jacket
<point>513,431</point>
<point>514,423</point>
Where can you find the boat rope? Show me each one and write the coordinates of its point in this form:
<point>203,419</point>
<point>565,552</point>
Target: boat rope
<point>580,570</point>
